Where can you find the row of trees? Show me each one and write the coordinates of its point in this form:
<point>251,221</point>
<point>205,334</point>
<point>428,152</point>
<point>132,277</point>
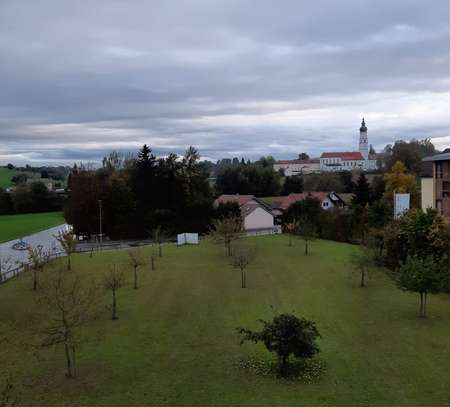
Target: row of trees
<point>139,194</point>
<point>29,198</point>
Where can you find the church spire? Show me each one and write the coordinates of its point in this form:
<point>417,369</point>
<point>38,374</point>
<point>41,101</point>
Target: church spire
<point>363,125</point>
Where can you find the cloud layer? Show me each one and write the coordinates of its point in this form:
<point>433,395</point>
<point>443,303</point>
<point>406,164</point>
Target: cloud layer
<point>232,78</point>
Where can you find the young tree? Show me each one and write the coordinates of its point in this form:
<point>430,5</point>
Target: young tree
<point>423,276</point>
<point>241,258</point>
<point>113,279</point>
<point>158,238</point>
<point>5,266</point>
<point>226,231</point>
<point>292,229</point>
<point>285,335</point>
<point>136,259</point>
<point>68,242</point>
<point>37,259</point>
<point>69,305</point>
<point>153,257</point>
<point>363,262</point>
<point>307,230</point>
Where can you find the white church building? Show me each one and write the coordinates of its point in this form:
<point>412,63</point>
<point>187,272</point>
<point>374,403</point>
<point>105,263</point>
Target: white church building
<point>350,160</point>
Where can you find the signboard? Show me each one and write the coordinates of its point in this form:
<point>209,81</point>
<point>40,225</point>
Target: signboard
<point>401,204</point>
<point>187,238</point>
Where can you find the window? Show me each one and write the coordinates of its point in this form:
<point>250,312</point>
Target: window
<point>439,170</point>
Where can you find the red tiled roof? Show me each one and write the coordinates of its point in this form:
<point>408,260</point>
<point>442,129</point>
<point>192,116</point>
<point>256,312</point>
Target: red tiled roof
<point>292,198</point>
<point>297,162</point>
<point>346,155</point>
<point>240,199</point>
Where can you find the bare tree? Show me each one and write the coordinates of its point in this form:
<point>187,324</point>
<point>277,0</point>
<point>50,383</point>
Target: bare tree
<point>69,305</point>
<point>136,259</point>
<point>241,258</point>
<point>68,242</point>
<point>153,257</point>
<point>113,279</point>
<point>37,259</point>
<point>292,229</point>
<point>227,230</point>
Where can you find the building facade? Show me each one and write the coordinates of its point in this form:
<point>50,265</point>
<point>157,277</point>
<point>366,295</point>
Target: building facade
<point>436,190</point>
<point>297,167</point>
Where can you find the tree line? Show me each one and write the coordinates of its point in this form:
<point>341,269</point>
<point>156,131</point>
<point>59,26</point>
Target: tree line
<point>139,194</point>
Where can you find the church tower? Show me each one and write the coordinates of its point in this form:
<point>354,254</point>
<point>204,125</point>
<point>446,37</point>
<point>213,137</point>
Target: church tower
<point>363,141</point>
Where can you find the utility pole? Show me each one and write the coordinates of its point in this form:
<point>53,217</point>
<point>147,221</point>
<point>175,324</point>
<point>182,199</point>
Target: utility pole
<point>100,221</point>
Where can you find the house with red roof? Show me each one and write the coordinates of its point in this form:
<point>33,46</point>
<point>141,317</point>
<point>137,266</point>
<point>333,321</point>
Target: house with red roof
<point>257,216</point>
<point>328,200</point>
<point>342,161</point>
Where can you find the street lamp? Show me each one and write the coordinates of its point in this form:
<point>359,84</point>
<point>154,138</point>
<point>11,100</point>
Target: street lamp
<point>100,221</point>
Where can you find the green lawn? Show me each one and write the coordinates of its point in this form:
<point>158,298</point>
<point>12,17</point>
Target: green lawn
<point>16,226</point>
<point>5,177</point>
<point>175,345</point>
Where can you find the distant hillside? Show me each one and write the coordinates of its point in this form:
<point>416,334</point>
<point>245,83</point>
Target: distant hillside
<point>5,177</point>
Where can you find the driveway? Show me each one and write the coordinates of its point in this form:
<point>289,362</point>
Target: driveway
<point>46,239</point>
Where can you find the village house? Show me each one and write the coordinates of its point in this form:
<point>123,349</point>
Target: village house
<point>257,216</point>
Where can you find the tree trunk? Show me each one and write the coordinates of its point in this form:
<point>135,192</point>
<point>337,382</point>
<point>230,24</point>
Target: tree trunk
<point>159,250</point>
<point>153,263</point>
<point>135,278</point>
<point>421,305</point>
<point>306,247</point>
<point>229,248</point>
<point>424,306</point>
<point>114,305</point>
<point>68,358</point>
<point>243,279</point>
<point>363,277</point>
<point>69,266</point>
<point>284,366</point>
<point>34,279</point>
<point>290,240</point>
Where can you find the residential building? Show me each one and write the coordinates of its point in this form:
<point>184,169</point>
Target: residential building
<point>256,215</point>
<point>436,193</point>
<point>328,200</point>
<point>297,167</point>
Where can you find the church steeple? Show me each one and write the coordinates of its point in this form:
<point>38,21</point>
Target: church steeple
<point>363,140</point>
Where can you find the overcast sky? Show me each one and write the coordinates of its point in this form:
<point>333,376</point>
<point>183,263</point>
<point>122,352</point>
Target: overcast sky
<point>233,78</point>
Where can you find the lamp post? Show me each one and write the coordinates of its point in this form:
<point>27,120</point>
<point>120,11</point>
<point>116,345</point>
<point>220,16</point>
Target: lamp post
<point>100,221</point>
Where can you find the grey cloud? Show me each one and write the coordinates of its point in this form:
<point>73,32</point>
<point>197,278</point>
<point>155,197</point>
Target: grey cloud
<point>229,77</point>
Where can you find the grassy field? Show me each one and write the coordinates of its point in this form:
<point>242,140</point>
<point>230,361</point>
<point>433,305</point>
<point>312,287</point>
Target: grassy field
<point>175,345</point>
<point>16,226</point>
<point>5,177</point>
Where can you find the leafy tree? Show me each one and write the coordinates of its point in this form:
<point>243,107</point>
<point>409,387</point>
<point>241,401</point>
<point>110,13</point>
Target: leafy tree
<point>286,335</point>
<point>362,191</point>
<point>68,242</point>
<point>241,258</point>
<point>423,276</point>
<point>346,178</point>
<point>20,178</point>
<point>400,181</point>
<point>363,262</point>
<point>227,210</point>
<point>136,260</point>
<point>293,184</point>
<point>6,203</point>
<point>303,156</point>
<point>113,280</point>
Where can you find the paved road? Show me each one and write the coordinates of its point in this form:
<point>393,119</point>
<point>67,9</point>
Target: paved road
<point>46,238</point>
